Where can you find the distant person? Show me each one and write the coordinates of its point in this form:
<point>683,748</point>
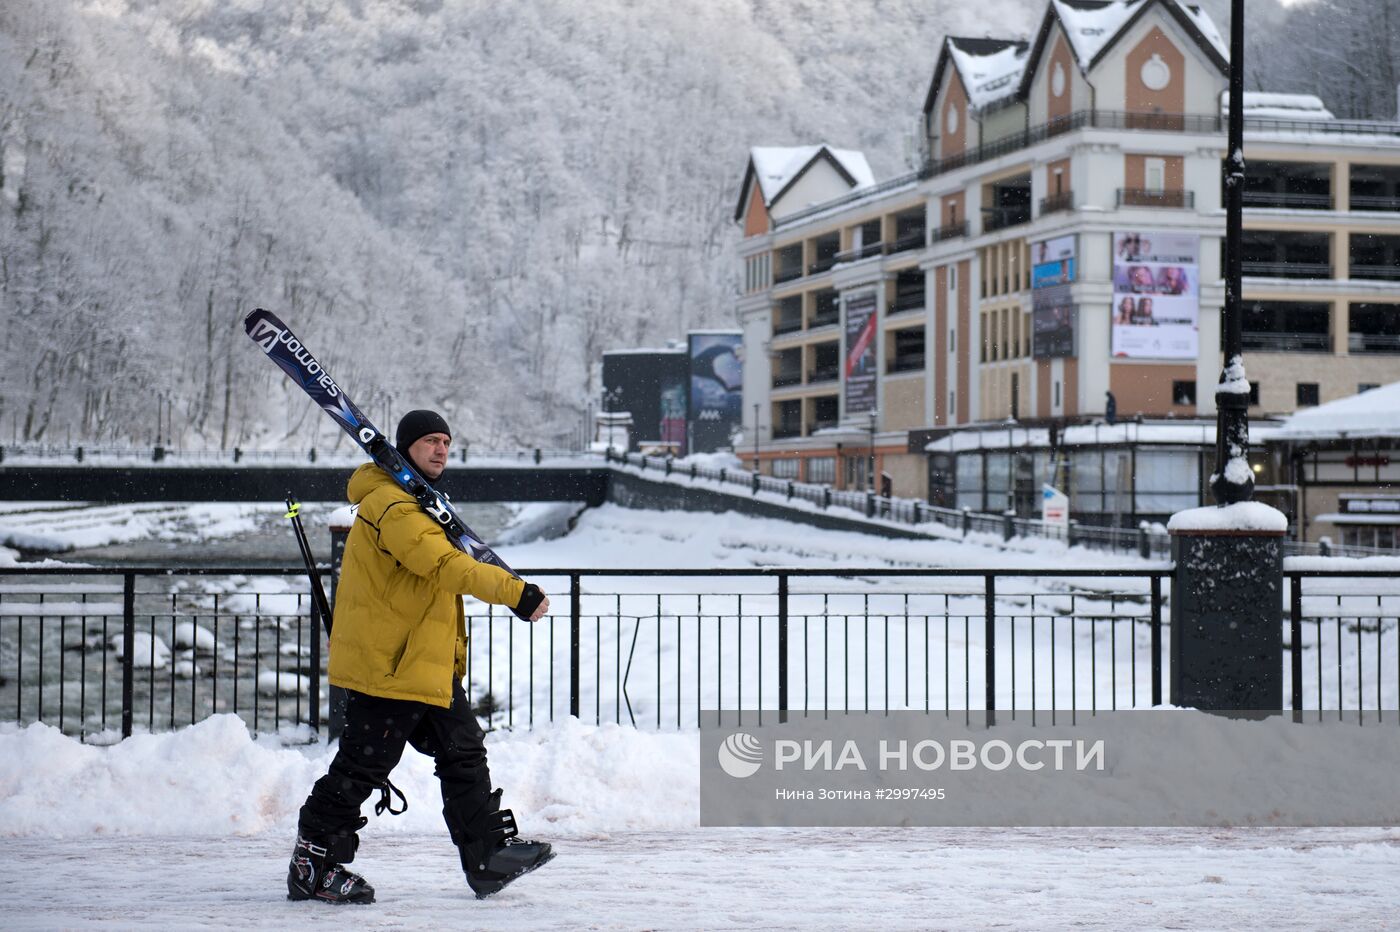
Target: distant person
<point>398,648</point>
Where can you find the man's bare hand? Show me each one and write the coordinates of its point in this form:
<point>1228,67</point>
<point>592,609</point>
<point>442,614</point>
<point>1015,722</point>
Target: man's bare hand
<point>541,611</point>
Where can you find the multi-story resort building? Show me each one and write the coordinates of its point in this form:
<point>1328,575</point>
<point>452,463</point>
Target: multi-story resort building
<point>1057,256</point>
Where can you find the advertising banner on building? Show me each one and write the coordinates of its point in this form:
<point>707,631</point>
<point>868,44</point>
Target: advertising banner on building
<point>1156,295</point>
<point>1053,314</point>
<point>716,389</point>
<point>860,354</point>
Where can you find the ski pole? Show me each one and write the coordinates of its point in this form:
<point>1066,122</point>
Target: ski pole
<point>319,603</point>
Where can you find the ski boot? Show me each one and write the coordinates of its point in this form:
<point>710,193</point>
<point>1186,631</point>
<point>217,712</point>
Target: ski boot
<point>317,872</point>
<point>495,856</point>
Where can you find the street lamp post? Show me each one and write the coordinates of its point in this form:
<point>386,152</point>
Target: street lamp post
<point>870,483</point>
<point>1233,480</point>
<point>755,438</point>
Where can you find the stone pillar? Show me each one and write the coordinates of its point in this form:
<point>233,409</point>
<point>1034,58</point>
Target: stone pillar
<point>1227,616</point>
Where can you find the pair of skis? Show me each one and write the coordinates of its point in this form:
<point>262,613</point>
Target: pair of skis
<point>285,349</point>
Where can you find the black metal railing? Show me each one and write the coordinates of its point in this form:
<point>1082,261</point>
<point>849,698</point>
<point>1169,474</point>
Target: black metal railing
<point>825,320</point>
<point>1373,343</point>
<point>1368,202</point>
<point>785,379</point>
<point>1342,640</point>
<point>1297,200</point>
<point>907,301</point>
<point>787,325</point>
<point>908,362</point>
<point>823,374</point>
<point>821,265</point>
<point>1204,124</point>
<point>347,455</point>
<point>1382,272</point>
<point>908,241</point>
<point>1151,197</point>
<point>1263,269</point>
<point>100,653</point>
<point>787,274</point>
<point>999,218</point>
<point>861,252</point>
<point>773,639</point>
<point>1057,202</point>
<point>1147,542</point>
<point>1274,342</point>
<point>949,231</point>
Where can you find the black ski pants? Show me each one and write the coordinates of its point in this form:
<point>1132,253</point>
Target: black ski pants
<point>376,731</point>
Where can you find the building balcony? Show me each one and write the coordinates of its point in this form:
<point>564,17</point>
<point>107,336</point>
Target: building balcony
<point>825,320</point>
<point>1371,202</point>
<point>1254,269</point>
<point>1147,197</point>
<point>909,301</point>
<point>821,265</point>
<point>1380,343</point>
<point>906,242</point>
<point>1381,272</point>
<point>823,374</point>
<point>1294,201</point>
<point>950,231</point>
<point>999,218</point>
<point>1276,342</point>
<point>787,325</point>
<point>864,252</point>
<point>910,362</point>
<point>822,424</point>
<point>786,431</point>
<point>1057,202</point>
<point>787,379</point>
<point>787,275</point>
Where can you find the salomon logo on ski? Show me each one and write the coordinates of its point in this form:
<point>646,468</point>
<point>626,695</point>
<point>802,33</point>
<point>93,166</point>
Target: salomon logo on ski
<point>284,348</point>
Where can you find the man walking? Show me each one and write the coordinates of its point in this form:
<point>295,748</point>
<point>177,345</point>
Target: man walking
<point>398,646</point>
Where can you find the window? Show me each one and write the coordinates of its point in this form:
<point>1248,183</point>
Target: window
<point>908,354</point>
<point>1254,394</point>
<point>1286,327</point>
<point>1156,174</point>
<point>1307,394</point>
<point>1165,481</point>
<point>1057,394</point>
<point>785,468</point>
<point>821,469</point>
<point>952,278</point>
<point>1184,393</point>
<point>1366,387</point>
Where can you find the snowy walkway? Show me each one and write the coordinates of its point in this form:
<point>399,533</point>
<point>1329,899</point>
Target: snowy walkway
<point>747,879</point>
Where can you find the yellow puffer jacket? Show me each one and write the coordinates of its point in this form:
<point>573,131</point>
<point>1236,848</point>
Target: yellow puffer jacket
<point>399,631</point>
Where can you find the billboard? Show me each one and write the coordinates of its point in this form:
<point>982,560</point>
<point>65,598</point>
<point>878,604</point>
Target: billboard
<point>860,354</point>
<point>651,385</point>
<point>1156,295</point>
<point>1053,314</point>
<point>716,389</point>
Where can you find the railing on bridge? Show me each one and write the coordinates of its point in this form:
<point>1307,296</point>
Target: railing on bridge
<point>1150,543</point>
<point>102,653</point>
<point>347,452</point>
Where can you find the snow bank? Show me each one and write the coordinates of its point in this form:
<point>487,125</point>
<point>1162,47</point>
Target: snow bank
<point>1241,516</point>
<point>214,779</point>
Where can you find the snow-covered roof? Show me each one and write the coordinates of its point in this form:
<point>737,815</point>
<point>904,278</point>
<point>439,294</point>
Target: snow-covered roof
<point>1093,26</point>
<point>1280,106</point>
<point>1375,413</point>
<point>992,437</point>
<point>990,68</point>
<point>776,167</point>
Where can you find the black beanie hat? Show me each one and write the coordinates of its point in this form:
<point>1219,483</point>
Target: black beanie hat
<point>418,424</point>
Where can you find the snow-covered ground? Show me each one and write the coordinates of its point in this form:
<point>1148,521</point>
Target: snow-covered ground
<point>193,829</point>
